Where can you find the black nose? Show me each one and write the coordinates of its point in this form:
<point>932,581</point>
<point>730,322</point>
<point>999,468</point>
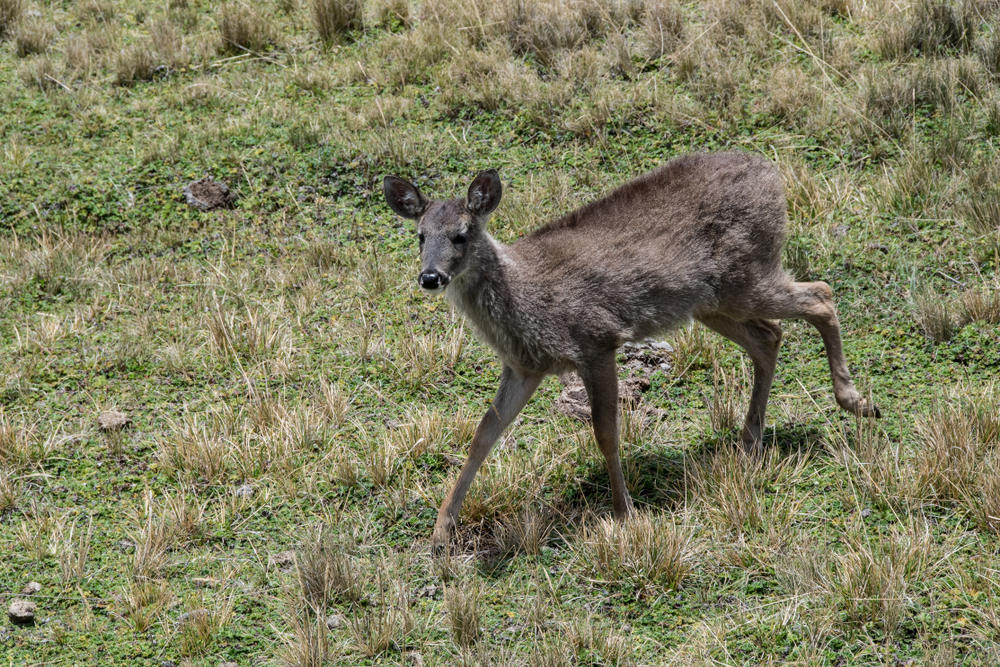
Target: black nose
<point>429,280</point>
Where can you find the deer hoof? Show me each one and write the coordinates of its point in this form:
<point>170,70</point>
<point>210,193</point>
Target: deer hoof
<point>867,409</point>
<point>441,536</point>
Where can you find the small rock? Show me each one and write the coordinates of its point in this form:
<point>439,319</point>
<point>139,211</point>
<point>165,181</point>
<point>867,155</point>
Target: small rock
<point>22,612</point>
<point>414,659</point>
<point>31,588</point>
<point>284,560</point>
<point>192,615</point>
<point>866,512</point>
<point>168,663</point>
<point>205,582</point>
<point>113,420</point>
<point>207,194</point>
<point>244,491</point>
<point>428,591</point>
<point>626,629</point>
<point>334,621</point>
<point>229,664</point>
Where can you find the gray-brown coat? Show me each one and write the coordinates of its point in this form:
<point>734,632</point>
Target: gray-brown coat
<point>700,238</point>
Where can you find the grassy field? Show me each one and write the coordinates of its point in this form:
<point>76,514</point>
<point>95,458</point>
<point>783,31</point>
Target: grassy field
<point>296,410</point>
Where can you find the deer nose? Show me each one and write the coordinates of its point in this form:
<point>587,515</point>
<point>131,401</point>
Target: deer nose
<point>429,280</point>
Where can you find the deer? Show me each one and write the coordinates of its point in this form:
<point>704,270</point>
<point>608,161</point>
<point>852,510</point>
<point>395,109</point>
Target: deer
<point>699,238</point>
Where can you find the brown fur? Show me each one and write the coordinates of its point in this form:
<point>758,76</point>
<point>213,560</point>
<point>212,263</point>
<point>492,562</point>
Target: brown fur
<point>700,238</point>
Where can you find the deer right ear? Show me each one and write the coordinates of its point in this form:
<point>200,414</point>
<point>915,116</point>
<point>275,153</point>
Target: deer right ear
<point>484,193</point>
<point>403,197</point>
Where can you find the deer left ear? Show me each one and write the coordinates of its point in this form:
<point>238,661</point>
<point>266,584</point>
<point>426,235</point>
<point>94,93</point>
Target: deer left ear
<point>484,193</point>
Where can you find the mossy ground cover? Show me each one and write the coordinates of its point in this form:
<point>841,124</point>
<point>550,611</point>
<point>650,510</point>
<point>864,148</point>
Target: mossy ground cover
<point>298,410</point>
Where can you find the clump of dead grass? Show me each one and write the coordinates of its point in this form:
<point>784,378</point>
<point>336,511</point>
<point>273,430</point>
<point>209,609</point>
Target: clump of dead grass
<point>747,493</point>
<point>873,581</point>
<point>462,603</point>
<point>33,37</point>
<point>645,550</point>
<point>326,572</point>
<point>384,624</point>
<point>333,18</point>
<point>243,29</point>
<point>930,27</point>
<point>10,14</point>
<point>934,314</point>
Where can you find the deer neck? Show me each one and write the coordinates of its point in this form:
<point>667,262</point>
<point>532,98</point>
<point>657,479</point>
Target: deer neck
<point>482,292</point>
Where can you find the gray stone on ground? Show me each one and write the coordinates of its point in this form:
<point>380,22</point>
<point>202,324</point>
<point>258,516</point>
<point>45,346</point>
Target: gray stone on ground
<point>31,588</point>
<point>244,491</point>
<point>573,401</point>
<point>22,612</point>
<point>113,420</point>
<point>229,664</point>
<point>334,621</point>
<point>192,615</point>
<point>207,194</point>
<point>285,560</point>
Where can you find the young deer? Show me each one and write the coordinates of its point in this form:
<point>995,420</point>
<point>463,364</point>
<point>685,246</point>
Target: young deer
<point>700,238</point>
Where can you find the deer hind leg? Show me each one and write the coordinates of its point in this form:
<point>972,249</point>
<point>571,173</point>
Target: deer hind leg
<point>600,378</point>
<point>761,340</point>
<point>813,302</point>
<point>513,394</point>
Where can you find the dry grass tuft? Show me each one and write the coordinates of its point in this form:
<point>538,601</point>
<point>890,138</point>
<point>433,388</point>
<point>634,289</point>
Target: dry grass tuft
<point>10,14</point>
<point>646,550</point>
<point>981,210</point>
<point>332,18</point>
<point>20,444</point>
<point>386,623</point>
<point>931,27</point>
<point>243,29</point>
<point>589,641</point>
<point>528,533</point>
<point>326,572</point>
<point>256,335</point>
<point>663,28</point>
<point>747,493</point>
<point>135,64</point>
<point>10,490</point>
<point>196,447</point>
<point>308,644</point>
<point>33,37</point>
<point>73,554</point>
<point>933,315</point>
<point>201,625</point>
<point>728,402</point>
<point>142,603</point>
<point>946,466</point>
<point>695,347</point>
<point>462,604</point>
<point>871,582</point>
<point>980,304</point>
<point>391,13</point>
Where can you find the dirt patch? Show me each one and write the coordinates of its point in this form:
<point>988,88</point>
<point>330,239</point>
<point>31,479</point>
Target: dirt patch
<point>208,195</point>
<point>641,361</point>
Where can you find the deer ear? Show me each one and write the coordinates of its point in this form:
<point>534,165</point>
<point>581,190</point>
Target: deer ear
<point>484,193</point>
<point>403,197</point>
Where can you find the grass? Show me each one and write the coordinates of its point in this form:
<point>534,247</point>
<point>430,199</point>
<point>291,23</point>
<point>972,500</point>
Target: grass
<point>297,410</point>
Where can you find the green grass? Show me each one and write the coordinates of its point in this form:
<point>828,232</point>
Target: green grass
<point>298,410</point>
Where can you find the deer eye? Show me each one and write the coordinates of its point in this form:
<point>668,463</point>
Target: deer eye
<point>460,239</point>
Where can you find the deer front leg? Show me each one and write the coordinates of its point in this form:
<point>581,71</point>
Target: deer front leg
<point>515,390</point>
<point>600,377</point>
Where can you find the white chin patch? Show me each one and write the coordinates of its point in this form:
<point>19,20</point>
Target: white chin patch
<point>435,291</point>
